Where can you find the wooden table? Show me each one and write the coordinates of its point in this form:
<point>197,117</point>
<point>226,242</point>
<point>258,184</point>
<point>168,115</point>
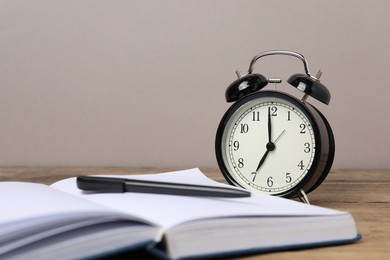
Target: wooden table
<point>364,193</point>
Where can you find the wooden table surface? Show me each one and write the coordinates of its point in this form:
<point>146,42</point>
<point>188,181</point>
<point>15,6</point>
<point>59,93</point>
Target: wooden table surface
<point>364,193</point>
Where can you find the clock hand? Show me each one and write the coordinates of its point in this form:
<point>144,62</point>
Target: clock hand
<point>281,134</point>
<point>269,125</point>
<point>270,147</point>
<point>262,160</point>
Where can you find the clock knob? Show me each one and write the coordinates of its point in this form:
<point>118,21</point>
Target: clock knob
<point>310,86</point>
<point>244,86</point>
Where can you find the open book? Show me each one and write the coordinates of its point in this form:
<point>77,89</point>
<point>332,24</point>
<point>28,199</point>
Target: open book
<point>60,221</point>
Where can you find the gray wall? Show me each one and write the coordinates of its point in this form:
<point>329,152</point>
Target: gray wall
<point>141,83</point>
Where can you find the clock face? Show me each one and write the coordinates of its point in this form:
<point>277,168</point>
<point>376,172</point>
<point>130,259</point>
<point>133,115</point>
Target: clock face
<point>268,143</point>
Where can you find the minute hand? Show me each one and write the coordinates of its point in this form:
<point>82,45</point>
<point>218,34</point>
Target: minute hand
<point>269,126</point>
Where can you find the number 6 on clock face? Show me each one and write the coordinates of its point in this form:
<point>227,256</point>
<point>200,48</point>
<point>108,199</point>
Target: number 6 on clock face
<point>272,142</point>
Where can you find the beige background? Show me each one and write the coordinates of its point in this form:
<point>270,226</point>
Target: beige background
<point>141,83</point>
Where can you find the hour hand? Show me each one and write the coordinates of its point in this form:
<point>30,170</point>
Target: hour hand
<point>262,160</point>
<point>270,147</point>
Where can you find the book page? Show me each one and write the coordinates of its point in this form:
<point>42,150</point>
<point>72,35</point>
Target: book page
<point>37,206</point>
<point>32,212</point>
<point>20,200</point>
<point>169,210</point>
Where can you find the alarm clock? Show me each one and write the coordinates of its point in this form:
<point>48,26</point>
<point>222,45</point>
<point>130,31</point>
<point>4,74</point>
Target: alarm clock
<point>272,142</point>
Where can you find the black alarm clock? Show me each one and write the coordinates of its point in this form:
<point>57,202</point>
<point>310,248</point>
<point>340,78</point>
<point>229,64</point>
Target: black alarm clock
<point>272,142</point>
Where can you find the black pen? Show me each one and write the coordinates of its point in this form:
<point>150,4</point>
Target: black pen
<point>118,185</point>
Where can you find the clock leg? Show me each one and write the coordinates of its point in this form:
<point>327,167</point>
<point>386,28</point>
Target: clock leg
<point>303,197</point>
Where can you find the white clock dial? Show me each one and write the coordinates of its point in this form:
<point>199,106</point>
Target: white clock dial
<point>268,145</point>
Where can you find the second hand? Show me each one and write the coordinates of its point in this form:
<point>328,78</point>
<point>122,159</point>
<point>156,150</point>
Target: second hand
<point>281,134</point>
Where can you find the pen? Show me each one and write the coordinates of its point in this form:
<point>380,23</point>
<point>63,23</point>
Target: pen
<point>118,185</point>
